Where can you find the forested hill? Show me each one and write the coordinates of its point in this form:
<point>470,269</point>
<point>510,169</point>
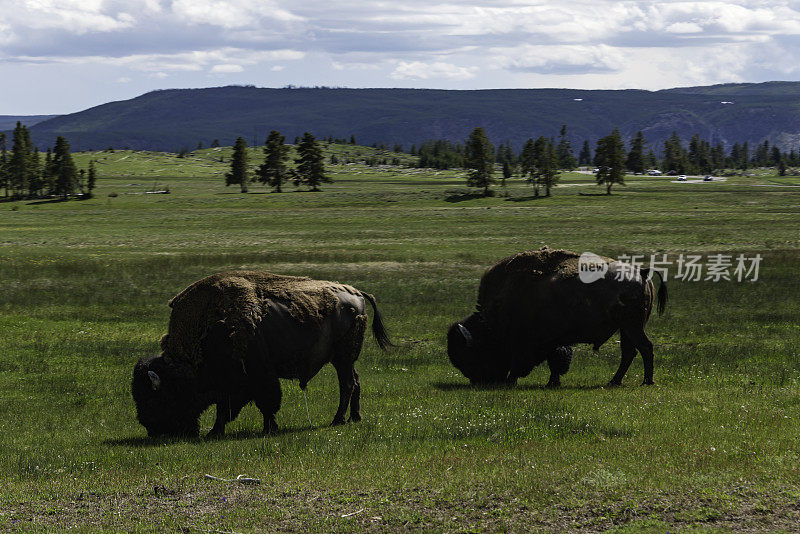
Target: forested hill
<point>177,118</point>
<point>7,122</point>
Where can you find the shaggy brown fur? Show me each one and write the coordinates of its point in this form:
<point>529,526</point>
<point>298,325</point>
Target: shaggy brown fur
<point>232,335</point>
<point>238,298</point>
<point>533,304</point>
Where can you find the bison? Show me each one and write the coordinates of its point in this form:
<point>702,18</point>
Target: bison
<point>232,335</point>
<point>533,306</point>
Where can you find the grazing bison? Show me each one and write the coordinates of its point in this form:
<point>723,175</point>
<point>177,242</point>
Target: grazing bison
<point>533,306</point>
<point>232,335</point>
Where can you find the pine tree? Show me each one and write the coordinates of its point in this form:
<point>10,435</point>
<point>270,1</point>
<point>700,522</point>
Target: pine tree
<point>635,161</point>
<point>238,172</point>
<point>527,163</point>
<point>479,159</point>
<point>775,156</point>
<point>566,159</point>
<point>506,174</point>
<point>49,173</point>
<point>91,179</point>
<point>215,143</point>
<point>4,173</point>
<point>273,171</point>
<point>66,174</point>
<point>352,139</point>
<point>35,175</point>
<point>547,163</point>
<point>19,164</point>
<point>585,157</point>
<point>609,157</point>
<point>675,158</point>
<point>310,165</point>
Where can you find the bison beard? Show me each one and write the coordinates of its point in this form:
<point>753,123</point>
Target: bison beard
<point>532,308</point>
<point>233,335</point>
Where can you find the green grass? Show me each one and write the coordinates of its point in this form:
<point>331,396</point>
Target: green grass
<point>713,446</point>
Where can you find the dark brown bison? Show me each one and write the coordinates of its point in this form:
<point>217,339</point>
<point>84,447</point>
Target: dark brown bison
<point>533,306</point>
<point>231,337</point>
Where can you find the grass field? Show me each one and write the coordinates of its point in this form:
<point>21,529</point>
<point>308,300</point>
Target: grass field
<point>713,446</point>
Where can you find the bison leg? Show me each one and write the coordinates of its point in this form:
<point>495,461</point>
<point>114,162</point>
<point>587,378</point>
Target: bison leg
<point>645,347</point>
<point>227,410</point>
<point>628,349</point>
<point>355,399</point>
<point>268,401</point>
<point>346,374</point>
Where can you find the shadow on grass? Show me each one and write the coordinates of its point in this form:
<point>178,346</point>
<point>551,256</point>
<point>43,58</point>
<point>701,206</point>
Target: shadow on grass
<point>582,194</point>
<point>144,441</point>
<point>47,201</point>
<point>526,198</point>
<point>462,386</point>
<point>461,197</point>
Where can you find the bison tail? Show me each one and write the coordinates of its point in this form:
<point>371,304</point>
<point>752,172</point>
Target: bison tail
<point>378,329</point>
<point>662,295</point>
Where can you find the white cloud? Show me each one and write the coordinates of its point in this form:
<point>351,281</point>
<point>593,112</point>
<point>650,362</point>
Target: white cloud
<point>124,79</point>
<point>559,59</point>
<point>419,70</point>
<point>226,68</point>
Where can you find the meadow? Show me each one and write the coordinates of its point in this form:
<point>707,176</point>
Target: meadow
<point>713,446</point>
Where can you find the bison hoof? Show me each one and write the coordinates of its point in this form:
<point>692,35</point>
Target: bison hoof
<point>271,426</point>
<point>614,384</point>
<point>355,417</point>
<point>338,421</point>
<point>553,385</point>
<point>648,382</point>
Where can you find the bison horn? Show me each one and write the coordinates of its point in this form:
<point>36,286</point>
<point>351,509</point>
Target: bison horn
<point>155,380</point>
<point>466,334</point>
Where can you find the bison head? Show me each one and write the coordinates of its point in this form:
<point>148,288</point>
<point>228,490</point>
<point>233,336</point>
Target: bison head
<point>163,400</point>
<point>473,351</point>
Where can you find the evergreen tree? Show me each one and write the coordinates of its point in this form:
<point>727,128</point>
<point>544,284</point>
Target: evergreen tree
<point>609,158</point>
<point>310,165</point>
<point>215,143</point>
<point>4,173</point>
<point>479,159</point>
<point>91,178</point>
<point>49,173</point>
<point>352,139</point>
<point>636,158</point>
<point>35,175</point>
<point>566,159</point>
<point>718,156</point>
<point>585,157</point>
<point>744,163</point>
<point>527,163</point>
<point>273,171</point>
<point>64,170</point>
<point>19,164</point>
<point>781,167</point>
<point>238,172</point>
<point>506,173</point>
<point>675,158</point>
<point>775,156</point>
<point>547,163</point>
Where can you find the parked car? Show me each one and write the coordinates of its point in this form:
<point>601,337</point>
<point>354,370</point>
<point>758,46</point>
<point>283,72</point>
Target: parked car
<point>595,171</point>
<point>707,178</point>
<point>654,172</point>
<point>682,178</point>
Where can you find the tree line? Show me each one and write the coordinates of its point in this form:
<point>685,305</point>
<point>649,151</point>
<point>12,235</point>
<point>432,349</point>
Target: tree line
<point>274,172</point>
<point>23,174</point>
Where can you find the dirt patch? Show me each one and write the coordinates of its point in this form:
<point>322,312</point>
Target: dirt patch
<point>207,505</point>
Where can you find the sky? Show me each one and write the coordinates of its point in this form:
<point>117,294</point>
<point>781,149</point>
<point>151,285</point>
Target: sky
<point>67,55</point>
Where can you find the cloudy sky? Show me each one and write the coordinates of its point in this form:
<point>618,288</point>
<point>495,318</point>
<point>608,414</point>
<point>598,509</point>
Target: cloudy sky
<point>60,56</point>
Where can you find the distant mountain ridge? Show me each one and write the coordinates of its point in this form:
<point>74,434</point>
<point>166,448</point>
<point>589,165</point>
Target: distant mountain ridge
<point>8,122</point>
<point>177,118</point>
